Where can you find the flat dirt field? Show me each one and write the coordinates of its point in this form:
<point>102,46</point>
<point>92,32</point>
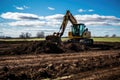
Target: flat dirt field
<point>42,60</point>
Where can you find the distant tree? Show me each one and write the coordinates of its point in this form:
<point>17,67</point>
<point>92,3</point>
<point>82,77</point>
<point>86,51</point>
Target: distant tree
<point>25,35</point>
<point>107,35</point>
<point>40,34</point>
<point>114,35</point>
<point>22,35</point>
<point>8,37</point>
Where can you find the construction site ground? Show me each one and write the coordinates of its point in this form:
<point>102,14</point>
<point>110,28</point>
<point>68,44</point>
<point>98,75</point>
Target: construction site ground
<point>41,60</point>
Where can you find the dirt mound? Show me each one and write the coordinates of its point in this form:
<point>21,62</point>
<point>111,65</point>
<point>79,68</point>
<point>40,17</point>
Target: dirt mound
<point>36,47</point>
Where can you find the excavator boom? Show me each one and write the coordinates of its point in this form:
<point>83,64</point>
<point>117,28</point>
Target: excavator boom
<point>68,16</point>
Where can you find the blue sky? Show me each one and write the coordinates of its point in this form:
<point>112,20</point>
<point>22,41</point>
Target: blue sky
<point>102,17</point>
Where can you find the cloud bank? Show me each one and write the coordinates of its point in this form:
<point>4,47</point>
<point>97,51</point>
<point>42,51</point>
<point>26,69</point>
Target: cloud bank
<point>26,19</point>
<point>19,16</point>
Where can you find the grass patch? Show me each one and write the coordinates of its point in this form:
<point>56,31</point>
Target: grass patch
<point>18,39</point>
<point>101,39</point>
<point>117,39</point>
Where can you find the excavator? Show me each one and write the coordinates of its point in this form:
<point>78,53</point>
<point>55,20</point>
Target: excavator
<point>78,34</point>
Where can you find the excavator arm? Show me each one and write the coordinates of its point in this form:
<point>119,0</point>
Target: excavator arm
<point>68,17</point>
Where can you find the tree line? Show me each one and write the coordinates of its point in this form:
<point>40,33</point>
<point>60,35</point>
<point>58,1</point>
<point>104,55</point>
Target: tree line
<point>42,35</point>
<point>25,35</point>
<point>28,35</point>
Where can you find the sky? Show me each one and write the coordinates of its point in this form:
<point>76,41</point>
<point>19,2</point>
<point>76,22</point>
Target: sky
<point>101,17</point>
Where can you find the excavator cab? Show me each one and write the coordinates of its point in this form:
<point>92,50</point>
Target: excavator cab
<point>78,29</point>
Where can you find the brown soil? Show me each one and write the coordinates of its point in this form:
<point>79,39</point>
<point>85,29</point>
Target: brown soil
<point>100,61</point>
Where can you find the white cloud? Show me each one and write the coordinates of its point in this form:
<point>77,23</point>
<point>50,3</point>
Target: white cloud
<point>98,20</point>
<point>25,7</point>
<point>54,17</point>
<point>27,23</point>
<point>26,19</point>
<point>81,10</point>
<point>90,10</point>
<point>19,16</point>
<point>85,10</point>
<point>34,23</point>
<point>51,8</point>
<point>21,7</point>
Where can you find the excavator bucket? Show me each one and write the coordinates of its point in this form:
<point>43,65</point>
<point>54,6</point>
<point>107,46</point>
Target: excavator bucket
<point>53,38</point>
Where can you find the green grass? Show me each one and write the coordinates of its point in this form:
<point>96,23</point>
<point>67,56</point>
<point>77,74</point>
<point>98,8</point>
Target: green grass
<point>101,39</point>
<point>32,39</point>
<point>107,39</point>
<point>63,39</point>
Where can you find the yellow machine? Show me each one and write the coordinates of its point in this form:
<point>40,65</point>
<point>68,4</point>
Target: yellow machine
<point>78,32</point>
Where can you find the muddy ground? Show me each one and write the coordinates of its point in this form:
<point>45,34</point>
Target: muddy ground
<point>44,60</point>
